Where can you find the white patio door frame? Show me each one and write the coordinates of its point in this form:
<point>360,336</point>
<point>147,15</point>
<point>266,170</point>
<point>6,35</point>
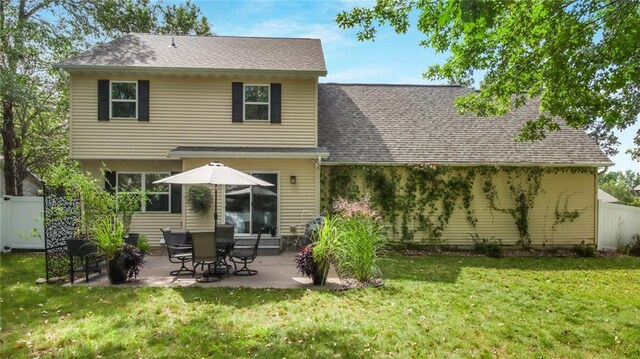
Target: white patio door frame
<point>278,221</point>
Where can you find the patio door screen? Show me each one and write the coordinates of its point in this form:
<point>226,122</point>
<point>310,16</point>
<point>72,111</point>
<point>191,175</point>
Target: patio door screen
<point>250,208</point>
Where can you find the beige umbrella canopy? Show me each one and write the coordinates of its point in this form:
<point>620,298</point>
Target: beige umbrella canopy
<point>215,173</point>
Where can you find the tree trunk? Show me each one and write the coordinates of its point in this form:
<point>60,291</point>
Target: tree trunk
<point>8,147</point>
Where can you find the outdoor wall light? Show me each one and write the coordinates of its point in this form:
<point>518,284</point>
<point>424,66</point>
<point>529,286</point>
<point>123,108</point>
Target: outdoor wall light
<point>292,179</point>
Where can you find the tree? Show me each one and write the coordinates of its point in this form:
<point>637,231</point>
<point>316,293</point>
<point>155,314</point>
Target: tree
<point>620,185</point>
<point>580,58</point>
<point>34,98</point>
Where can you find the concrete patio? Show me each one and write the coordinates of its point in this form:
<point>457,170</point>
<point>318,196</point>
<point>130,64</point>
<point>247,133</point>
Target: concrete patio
<point>277,271</point>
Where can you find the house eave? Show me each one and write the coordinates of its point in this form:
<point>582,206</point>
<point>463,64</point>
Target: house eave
<point>257,154</point>
<point>186,70</point>
<point>466,164</point>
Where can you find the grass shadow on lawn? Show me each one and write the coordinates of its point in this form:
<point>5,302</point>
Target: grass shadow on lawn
<point>447,269</point>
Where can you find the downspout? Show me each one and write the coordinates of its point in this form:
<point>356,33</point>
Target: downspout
<point>318,163</point>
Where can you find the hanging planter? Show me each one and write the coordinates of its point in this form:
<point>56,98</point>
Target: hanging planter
<point>199,198</point>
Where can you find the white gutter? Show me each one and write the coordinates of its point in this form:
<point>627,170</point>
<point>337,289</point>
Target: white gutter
<point>278,155</point>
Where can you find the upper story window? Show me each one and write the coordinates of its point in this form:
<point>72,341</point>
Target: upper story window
<point>158,195</point>
<point>123,99</point>
<point>256,102</point>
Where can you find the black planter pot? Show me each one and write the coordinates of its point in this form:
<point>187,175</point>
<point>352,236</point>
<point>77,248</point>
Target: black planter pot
<point>132,239</point>
<point>116,272</point>
<point>319,275</point>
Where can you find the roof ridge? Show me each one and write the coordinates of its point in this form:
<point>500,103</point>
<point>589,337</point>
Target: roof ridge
<point>224,36</point>
<point>390,85</point>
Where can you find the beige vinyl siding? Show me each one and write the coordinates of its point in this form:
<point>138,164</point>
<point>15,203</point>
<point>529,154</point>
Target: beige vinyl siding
<point>297,201</point>
<point>148,223</point>
<point>579,187</point>
<point>187,111</point>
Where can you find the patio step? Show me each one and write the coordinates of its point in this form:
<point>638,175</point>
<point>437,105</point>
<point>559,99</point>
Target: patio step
<point>269,247</point>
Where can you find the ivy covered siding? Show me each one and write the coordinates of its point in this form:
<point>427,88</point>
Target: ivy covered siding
<point>529,206</point>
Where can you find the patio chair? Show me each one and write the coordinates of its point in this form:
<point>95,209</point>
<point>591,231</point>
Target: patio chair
<point>178,250</point>
<point>87,253</point>
<point>245,255</point>
<point>224,240</point>
<point>205,253</point>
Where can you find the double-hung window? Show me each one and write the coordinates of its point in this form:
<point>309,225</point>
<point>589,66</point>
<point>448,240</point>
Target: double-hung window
<point>123,99</point>
<point>256,102</point>
<point>158,195</point>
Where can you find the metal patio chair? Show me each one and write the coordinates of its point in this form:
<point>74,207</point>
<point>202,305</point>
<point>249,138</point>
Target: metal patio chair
<point>87,253</point>
<point>205,253</point>
<point>245,255</point>
<point>179,251</point>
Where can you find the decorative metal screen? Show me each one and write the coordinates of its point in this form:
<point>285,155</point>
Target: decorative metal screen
<point>60,223</point>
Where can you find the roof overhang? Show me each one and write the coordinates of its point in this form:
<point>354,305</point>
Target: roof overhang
<point>454,164</point>
<point>250,152</point>
<point>186,70</point>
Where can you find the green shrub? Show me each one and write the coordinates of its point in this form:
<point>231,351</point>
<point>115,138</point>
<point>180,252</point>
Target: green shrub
<point>108,233</point>
<point>326,245</point>
<point>491,247</point>
<point>143,243</point>
<point>359,247</point>
<point>585,250</point>
<point>633,248</point>
<point>199,199</point>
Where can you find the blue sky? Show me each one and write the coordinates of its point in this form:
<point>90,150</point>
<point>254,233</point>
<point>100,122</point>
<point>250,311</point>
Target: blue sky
<point>391,58</point>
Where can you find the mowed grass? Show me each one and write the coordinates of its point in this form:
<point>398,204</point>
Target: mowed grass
<point>434,306</point>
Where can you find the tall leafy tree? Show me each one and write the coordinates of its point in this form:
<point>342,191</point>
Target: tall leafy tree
<point>580,58</point>
<point>37,33</point>
<point>620,185</point>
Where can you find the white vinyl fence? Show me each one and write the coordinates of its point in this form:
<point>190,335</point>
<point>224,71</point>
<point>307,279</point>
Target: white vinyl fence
<point>616,224</point>
<point>21,223</point>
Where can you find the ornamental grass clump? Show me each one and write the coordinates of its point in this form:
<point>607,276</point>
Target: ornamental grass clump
<point>361,239</point>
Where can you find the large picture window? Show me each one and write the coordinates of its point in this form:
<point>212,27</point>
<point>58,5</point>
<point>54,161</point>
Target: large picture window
<point>251,208</point>
<point>124,99</point>
<point>256,102</point>
<point>158,195</point>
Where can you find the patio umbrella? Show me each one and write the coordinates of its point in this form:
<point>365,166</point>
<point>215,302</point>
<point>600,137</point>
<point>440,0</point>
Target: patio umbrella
<point>217,174</point>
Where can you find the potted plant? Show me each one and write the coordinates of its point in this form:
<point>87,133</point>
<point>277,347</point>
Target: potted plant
<point>315,259</point>
<point>199,199</point>
<point>308,267</point>
<point>130,258</point>
<point>128,204</point>
<point>108,235</point>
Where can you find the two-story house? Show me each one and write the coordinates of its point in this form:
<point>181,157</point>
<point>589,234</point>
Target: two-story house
<point>146,106</point>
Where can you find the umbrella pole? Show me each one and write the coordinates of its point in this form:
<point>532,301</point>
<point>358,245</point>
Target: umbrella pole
<point>215,212</point>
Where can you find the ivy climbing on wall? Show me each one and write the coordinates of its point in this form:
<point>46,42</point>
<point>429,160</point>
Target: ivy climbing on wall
<point>422,197</point>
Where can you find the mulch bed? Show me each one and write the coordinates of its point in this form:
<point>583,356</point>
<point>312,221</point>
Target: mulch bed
<point>508,252</point>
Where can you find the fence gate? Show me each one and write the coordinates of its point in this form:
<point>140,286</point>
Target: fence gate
<point>61,216</point>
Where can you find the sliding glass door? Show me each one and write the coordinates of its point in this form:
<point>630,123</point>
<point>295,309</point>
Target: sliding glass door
<point>252,208</point>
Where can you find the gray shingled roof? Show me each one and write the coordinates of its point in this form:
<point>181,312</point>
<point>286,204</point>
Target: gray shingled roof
<point>409,124</point>
<point>606,197</point>
<point>205,52</point>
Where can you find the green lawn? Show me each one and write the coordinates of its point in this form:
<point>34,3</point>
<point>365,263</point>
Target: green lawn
<point>433,306</point>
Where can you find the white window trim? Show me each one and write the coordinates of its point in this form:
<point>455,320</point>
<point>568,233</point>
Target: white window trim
<point>244,103</point>
<point>278,192</point>
<point>143,205</point>
<point>111,101</point>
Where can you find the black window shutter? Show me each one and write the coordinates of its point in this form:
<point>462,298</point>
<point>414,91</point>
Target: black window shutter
<point>110,181</point>
<point>276,103</point>
<point>103,100</point>
<point>176,196</point>
<point>237,100</point>
<point>143,100</point>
